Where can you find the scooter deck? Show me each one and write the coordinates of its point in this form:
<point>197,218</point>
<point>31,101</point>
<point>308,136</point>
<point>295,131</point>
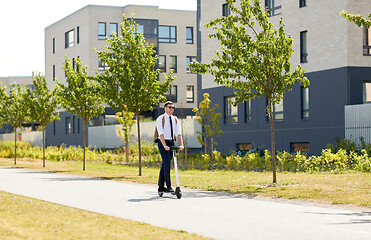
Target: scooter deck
<point>177,192</point>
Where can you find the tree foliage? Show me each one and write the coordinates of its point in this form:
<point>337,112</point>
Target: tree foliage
<point>358,19</point>
<point>15,110</point>
<point>131,79</point>
<point>254,58</point>
<point>81,94</point>
<point>3,98</point>
<point>42,104</point>
<point>209,120</point>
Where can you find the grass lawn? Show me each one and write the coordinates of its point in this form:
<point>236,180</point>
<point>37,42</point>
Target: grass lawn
<point>353,188</point>
<point>27,218</point>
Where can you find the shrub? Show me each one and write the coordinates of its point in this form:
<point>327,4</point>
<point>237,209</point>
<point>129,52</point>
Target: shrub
<point>204,163</point>
<point>251,161</point>
<point>363,162</point>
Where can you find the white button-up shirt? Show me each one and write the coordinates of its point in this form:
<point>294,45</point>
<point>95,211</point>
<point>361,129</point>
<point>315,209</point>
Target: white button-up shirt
<point>166,129</point>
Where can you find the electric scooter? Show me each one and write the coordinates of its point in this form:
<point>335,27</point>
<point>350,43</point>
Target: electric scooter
<point>177,191</point>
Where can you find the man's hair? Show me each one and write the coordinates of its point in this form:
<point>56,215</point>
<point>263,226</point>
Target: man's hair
<point>168,103</point>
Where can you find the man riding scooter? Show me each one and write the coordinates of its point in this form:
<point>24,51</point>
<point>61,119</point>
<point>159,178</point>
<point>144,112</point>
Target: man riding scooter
<point>168,127</point>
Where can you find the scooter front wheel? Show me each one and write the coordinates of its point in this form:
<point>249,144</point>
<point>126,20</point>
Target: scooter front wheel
<point>179,195</point>
<point>160,194</point>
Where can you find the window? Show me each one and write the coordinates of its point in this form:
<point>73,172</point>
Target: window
<point>112,29</point>
<point>73,125</point>
<point>149,29</point>
<point>304,102</point>
<point>78,125</point>
<point>248,111</point>
<point>225,10</point>
<point>167,34</point>
<point>302,3</point>
<point>101,31</point>
<point>189,35</point>
<point>69,39</point>
<point>190,94</point>
<point>366,41</point>
<point>53,72</point>
<point>189,60</point>
<point>272,7</point>
<point>162,63</point>
<point>303,47</point>
<point>230,111</point>
<point>173,63</point>
<point>54,127</point>
<point>68,125</point>
<point>102,66</point>
<point>110,120</point>
<point>243,146</point>
<point>74,64</point>
<point>278,111</point>
<point>53,45</point>
<point>97,121</point>
<point>367,92</point>
<point>78,35</point>
<point>140,29</point>
<point>299,146</point>
<point>172,94</point>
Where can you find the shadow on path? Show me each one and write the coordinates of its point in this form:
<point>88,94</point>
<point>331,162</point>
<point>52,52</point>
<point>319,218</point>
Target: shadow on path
<point>193,195</point>
<point>352,221</point>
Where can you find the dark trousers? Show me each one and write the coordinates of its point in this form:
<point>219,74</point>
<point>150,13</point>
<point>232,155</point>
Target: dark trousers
<point>166,163</point>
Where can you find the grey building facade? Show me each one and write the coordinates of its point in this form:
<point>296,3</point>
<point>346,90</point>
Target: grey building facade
<point>336,56</point>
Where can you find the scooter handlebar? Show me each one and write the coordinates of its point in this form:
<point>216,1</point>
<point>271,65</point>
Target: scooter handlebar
<point>174,148</point>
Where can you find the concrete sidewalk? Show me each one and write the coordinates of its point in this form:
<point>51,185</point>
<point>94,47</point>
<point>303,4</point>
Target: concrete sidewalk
<point>215,215</point>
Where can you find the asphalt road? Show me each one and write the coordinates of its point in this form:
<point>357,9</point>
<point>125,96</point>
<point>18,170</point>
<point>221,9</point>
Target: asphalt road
<point>211,214</point>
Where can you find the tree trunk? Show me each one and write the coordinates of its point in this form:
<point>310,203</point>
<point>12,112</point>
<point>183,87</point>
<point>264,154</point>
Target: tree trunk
<point>139,146</point>
<point>15,146</point>
<point>212,149</point>
<point>205,144</point>
<point>44,147</point>
<point>185,151</point>
<point>83,159</point>
<point>127,150</point>
<point>272,141</point>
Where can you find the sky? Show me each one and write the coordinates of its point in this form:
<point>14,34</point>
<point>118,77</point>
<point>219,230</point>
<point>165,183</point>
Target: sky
<point>22,24</point>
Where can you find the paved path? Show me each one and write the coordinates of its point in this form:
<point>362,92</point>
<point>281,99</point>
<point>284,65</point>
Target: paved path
<point>215,215</point>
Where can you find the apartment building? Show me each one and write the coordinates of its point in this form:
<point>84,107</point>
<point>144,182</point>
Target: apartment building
<point>172,33</point>
<point>336,56</point>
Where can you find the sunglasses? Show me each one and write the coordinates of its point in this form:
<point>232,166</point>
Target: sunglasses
<point>171,107</point>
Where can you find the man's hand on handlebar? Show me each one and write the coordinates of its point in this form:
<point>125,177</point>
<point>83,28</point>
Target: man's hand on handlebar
<point>181,147</point>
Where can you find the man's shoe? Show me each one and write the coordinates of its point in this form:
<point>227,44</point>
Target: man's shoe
<point>169,190</point>
<point>161,189</point>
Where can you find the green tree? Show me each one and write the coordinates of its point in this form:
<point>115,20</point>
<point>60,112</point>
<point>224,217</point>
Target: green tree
<point>358,19</point>
<point>42,103</point>
<point>3,98</point>
<point>132,76</point>
<point>81,95</point>
<point>209,120</point>
<point>125,118</point>
<point>15,110</point>
<point>254,58</point>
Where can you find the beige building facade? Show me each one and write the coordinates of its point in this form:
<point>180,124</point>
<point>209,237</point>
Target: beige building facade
<point>172,33</point>
<point>7,82</point>
<point>78,34</point>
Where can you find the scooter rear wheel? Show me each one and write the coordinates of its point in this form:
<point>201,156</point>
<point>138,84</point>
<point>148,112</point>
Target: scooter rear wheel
<point>160,194</point>
<point>179,195</point>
